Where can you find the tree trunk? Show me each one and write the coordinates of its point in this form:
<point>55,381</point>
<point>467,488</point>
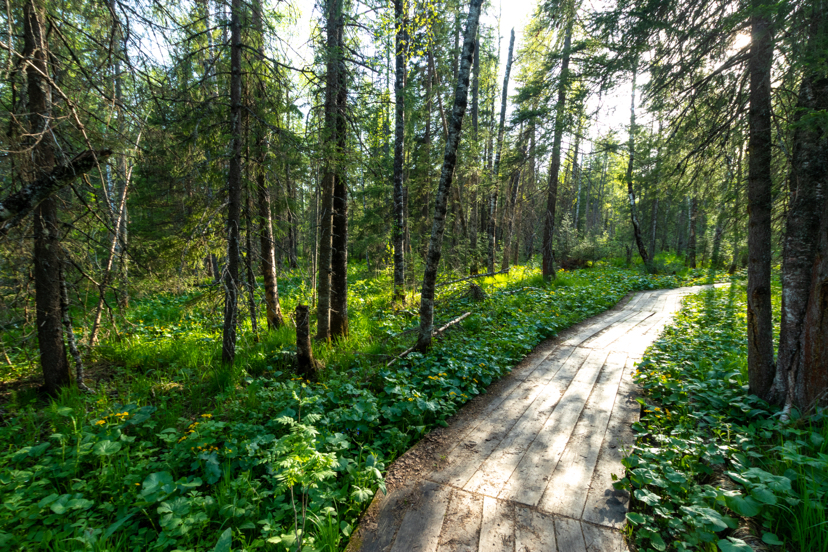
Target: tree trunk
<point>653,227</point>
<point>70,332</point>
<point>475,215</point>
<point>548,269</point>
<point>47,260</point>
<point>248,262</point>
<point>306,366</point>
<point>234,185</point>
<point>501,129</point>
<point>801,378</point>
<point>639,240</point>
<point>760,203</point>
<point>339,239</point>
<point>332,84</point>
<point>693,216</point>
<point>267,245</point>
<point>399,142</point>
<point>449,161</point>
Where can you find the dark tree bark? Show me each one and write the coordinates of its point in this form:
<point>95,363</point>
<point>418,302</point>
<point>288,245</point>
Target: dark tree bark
<point>548,269</point>
<point>653,227</point>
<point>248,264</point>
<point>399,144</point>
<point>267,245</point>
<point>339,238</point>
<point>450,159</point>
<point>693,216</point>
<point>759,319</point>
<point>801,378</point>
<point>47,259</point>
<point>501,128</point>
<point>639,240</point>
<point>334,43</point>
<point>234,185</point>
<point>306,366</point>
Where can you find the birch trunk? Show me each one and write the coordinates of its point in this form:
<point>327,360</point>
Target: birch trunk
<point>444,188</point>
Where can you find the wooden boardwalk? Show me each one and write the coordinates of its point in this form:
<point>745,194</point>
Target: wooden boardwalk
<point>532,470</point>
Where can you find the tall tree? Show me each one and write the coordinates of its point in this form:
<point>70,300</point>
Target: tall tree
<point>400,22</point>
<point>639,240</point>
<point>47,247</point>
<point>501,129</point>
<point>760,202</point>
<point>435,244</point>
<point>548,268</point>
<point>234,188</point>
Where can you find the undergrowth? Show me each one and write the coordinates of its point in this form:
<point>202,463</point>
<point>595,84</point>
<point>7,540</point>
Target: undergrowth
<point>175,452</point>
<point>713,464</point>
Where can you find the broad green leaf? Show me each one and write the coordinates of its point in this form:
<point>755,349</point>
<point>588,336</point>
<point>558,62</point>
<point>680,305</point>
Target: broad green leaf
<point>658,542</point>
<point>224,541</point>
<point>636,518</point>
<point>645,496</point>
<point>743,505</point>
<point>106,448</point>
<point>734,545</point>
<point>770,538</point>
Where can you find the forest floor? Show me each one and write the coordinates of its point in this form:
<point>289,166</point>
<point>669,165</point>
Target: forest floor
<point>173,451</point>
<point>530,465</point>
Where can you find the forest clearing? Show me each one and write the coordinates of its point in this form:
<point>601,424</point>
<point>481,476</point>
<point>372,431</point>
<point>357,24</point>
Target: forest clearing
<point>319,275</point>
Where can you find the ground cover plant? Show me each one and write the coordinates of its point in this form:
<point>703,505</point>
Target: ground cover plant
<point>712,464</point>
<point>176,453</point>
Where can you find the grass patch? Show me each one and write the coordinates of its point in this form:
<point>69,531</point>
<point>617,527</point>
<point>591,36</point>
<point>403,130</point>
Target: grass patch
<point>712,464</point>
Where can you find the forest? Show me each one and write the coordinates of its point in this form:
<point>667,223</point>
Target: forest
<point>252,251</point>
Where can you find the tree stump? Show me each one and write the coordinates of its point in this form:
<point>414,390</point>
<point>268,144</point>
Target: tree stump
<point>306,366</point>
<point>477,294</point>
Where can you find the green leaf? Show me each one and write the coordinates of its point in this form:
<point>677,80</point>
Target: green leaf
<point>658,542</point>
<point>764,495</point>
<point>648,498</point>
<point>65,411</point>
<point>224,542</point>
<point>770,538</point>
<point>635,518</point>
<point>106,448</point>
<point>745,506</point>
<point>117,525</point>
<point>734,545</point>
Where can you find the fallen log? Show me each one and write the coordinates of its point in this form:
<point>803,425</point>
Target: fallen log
<point>434,335</point>
<point>504,271</point>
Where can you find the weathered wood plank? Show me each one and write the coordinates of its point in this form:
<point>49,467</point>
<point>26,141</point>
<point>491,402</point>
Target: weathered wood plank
<point>616,331</point>
<point>602,539</point>
<point>569,536</point>
<point>567,490</point>
<point>534,531</point>
<point>420,528</point>
<point>605,505</point>
<point>497,533</point>
<point>498,467</point>
<point>528,481</point>
<point>479,443</point>
<point>461,528</point>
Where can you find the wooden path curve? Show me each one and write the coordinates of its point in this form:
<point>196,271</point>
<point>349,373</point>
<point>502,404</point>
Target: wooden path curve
<point>531,471</point>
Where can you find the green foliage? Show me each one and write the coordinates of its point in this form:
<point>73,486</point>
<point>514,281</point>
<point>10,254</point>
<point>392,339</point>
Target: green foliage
<point>193,458</point>
<point>708,454</point>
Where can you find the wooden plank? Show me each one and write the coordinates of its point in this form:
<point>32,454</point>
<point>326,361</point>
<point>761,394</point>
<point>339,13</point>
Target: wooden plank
<point>605,505</point>
<point>599,324</point>
<point>567,490</point>
<point>420,528</point>
<point>616,331</point>
<point>534,532</point>
<point>379,538</point>
<point>497,533</point>
<point>601,539</point>
<point>569,536</point>
<point>498,467</point>
<point>528,481</point>
<point>479,443</point>
<point>461,528</point>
